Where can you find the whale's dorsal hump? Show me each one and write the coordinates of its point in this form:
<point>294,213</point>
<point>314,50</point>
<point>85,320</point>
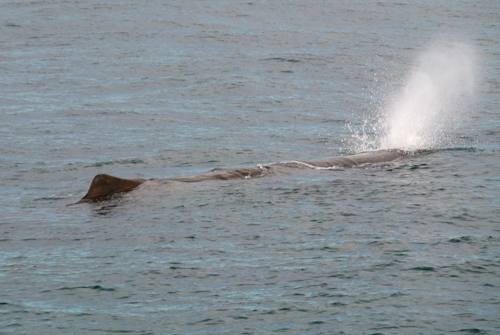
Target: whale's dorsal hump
<point>104,185</point>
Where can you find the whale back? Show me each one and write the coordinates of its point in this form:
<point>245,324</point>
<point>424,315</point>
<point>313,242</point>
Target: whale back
<point>224,174</point>
<point>103,185</point>
<point>361,159</point>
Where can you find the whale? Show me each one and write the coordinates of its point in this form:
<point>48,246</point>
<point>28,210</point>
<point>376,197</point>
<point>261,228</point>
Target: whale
<point>104,186</point>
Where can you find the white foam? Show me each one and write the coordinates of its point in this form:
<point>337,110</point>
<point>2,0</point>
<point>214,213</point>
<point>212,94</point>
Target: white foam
<point>299,164</point>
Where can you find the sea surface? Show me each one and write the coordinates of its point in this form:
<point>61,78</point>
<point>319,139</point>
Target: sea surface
<point>153,89</point>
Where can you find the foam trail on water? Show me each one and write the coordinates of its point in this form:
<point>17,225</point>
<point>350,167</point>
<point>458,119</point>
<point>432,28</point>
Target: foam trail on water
<point>427,108</point>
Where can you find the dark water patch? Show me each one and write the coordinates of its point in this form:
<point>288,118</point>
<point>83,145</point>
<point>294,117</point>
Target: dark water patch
<point>379,267</point>
<point>330,249</point>
<point>384,327</point>
<point>118,331</point>
<point>17,258</point>
<point>117,162</point>
<point>202,321</point>
<point>476,267</point>
<point>318,322</point>
<point>466,149</point>
<point>340,276</point>
<point>183,268</point>
<point>338,304</point>
<point>215,322</point>
<point>95,287</point>
<point>100,288</point>
<point>269,312</point>
<point>398,294</point>
<point>152,272</point>
<point>398,251</point>
<point>422,268</point>
<point>466,216</point>
<point>336,121</point>
<point>470,331</point>
<point>422,166</point>
<point>466,239</point>
<point>124,297</point>
<point>14,325</point>
<point>239,317</point>
<point>345,214</point>
<point>324,295</point>
<point>279,59</point>
<point>50,198</point>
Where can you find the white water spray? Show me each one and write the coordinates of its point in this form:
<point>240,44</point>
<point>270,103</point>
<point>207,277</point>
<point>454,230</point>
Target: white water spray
<point>428,106</point>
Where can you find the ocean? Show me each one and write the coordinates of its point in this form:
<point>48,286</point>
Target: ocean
<point>154,89</point>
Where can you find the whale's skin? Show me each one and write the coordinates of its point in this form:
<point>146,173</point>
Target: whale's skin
<point>104,186</point>
<point>361,159</point>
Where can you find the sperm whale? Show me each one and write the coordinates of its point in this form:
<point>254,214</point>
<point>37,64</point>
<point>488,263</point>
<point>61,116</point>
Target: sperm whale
<point>104,186</point>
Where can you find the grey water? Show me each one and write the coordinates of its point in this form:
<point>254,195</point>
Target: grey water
<point>156,89</point>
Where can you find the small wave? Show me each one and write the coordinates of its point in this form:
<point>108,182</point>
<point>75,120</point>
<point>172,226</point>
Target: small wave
<point>119,162</point>
<point>467,149</point>
<point>53,197</point>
